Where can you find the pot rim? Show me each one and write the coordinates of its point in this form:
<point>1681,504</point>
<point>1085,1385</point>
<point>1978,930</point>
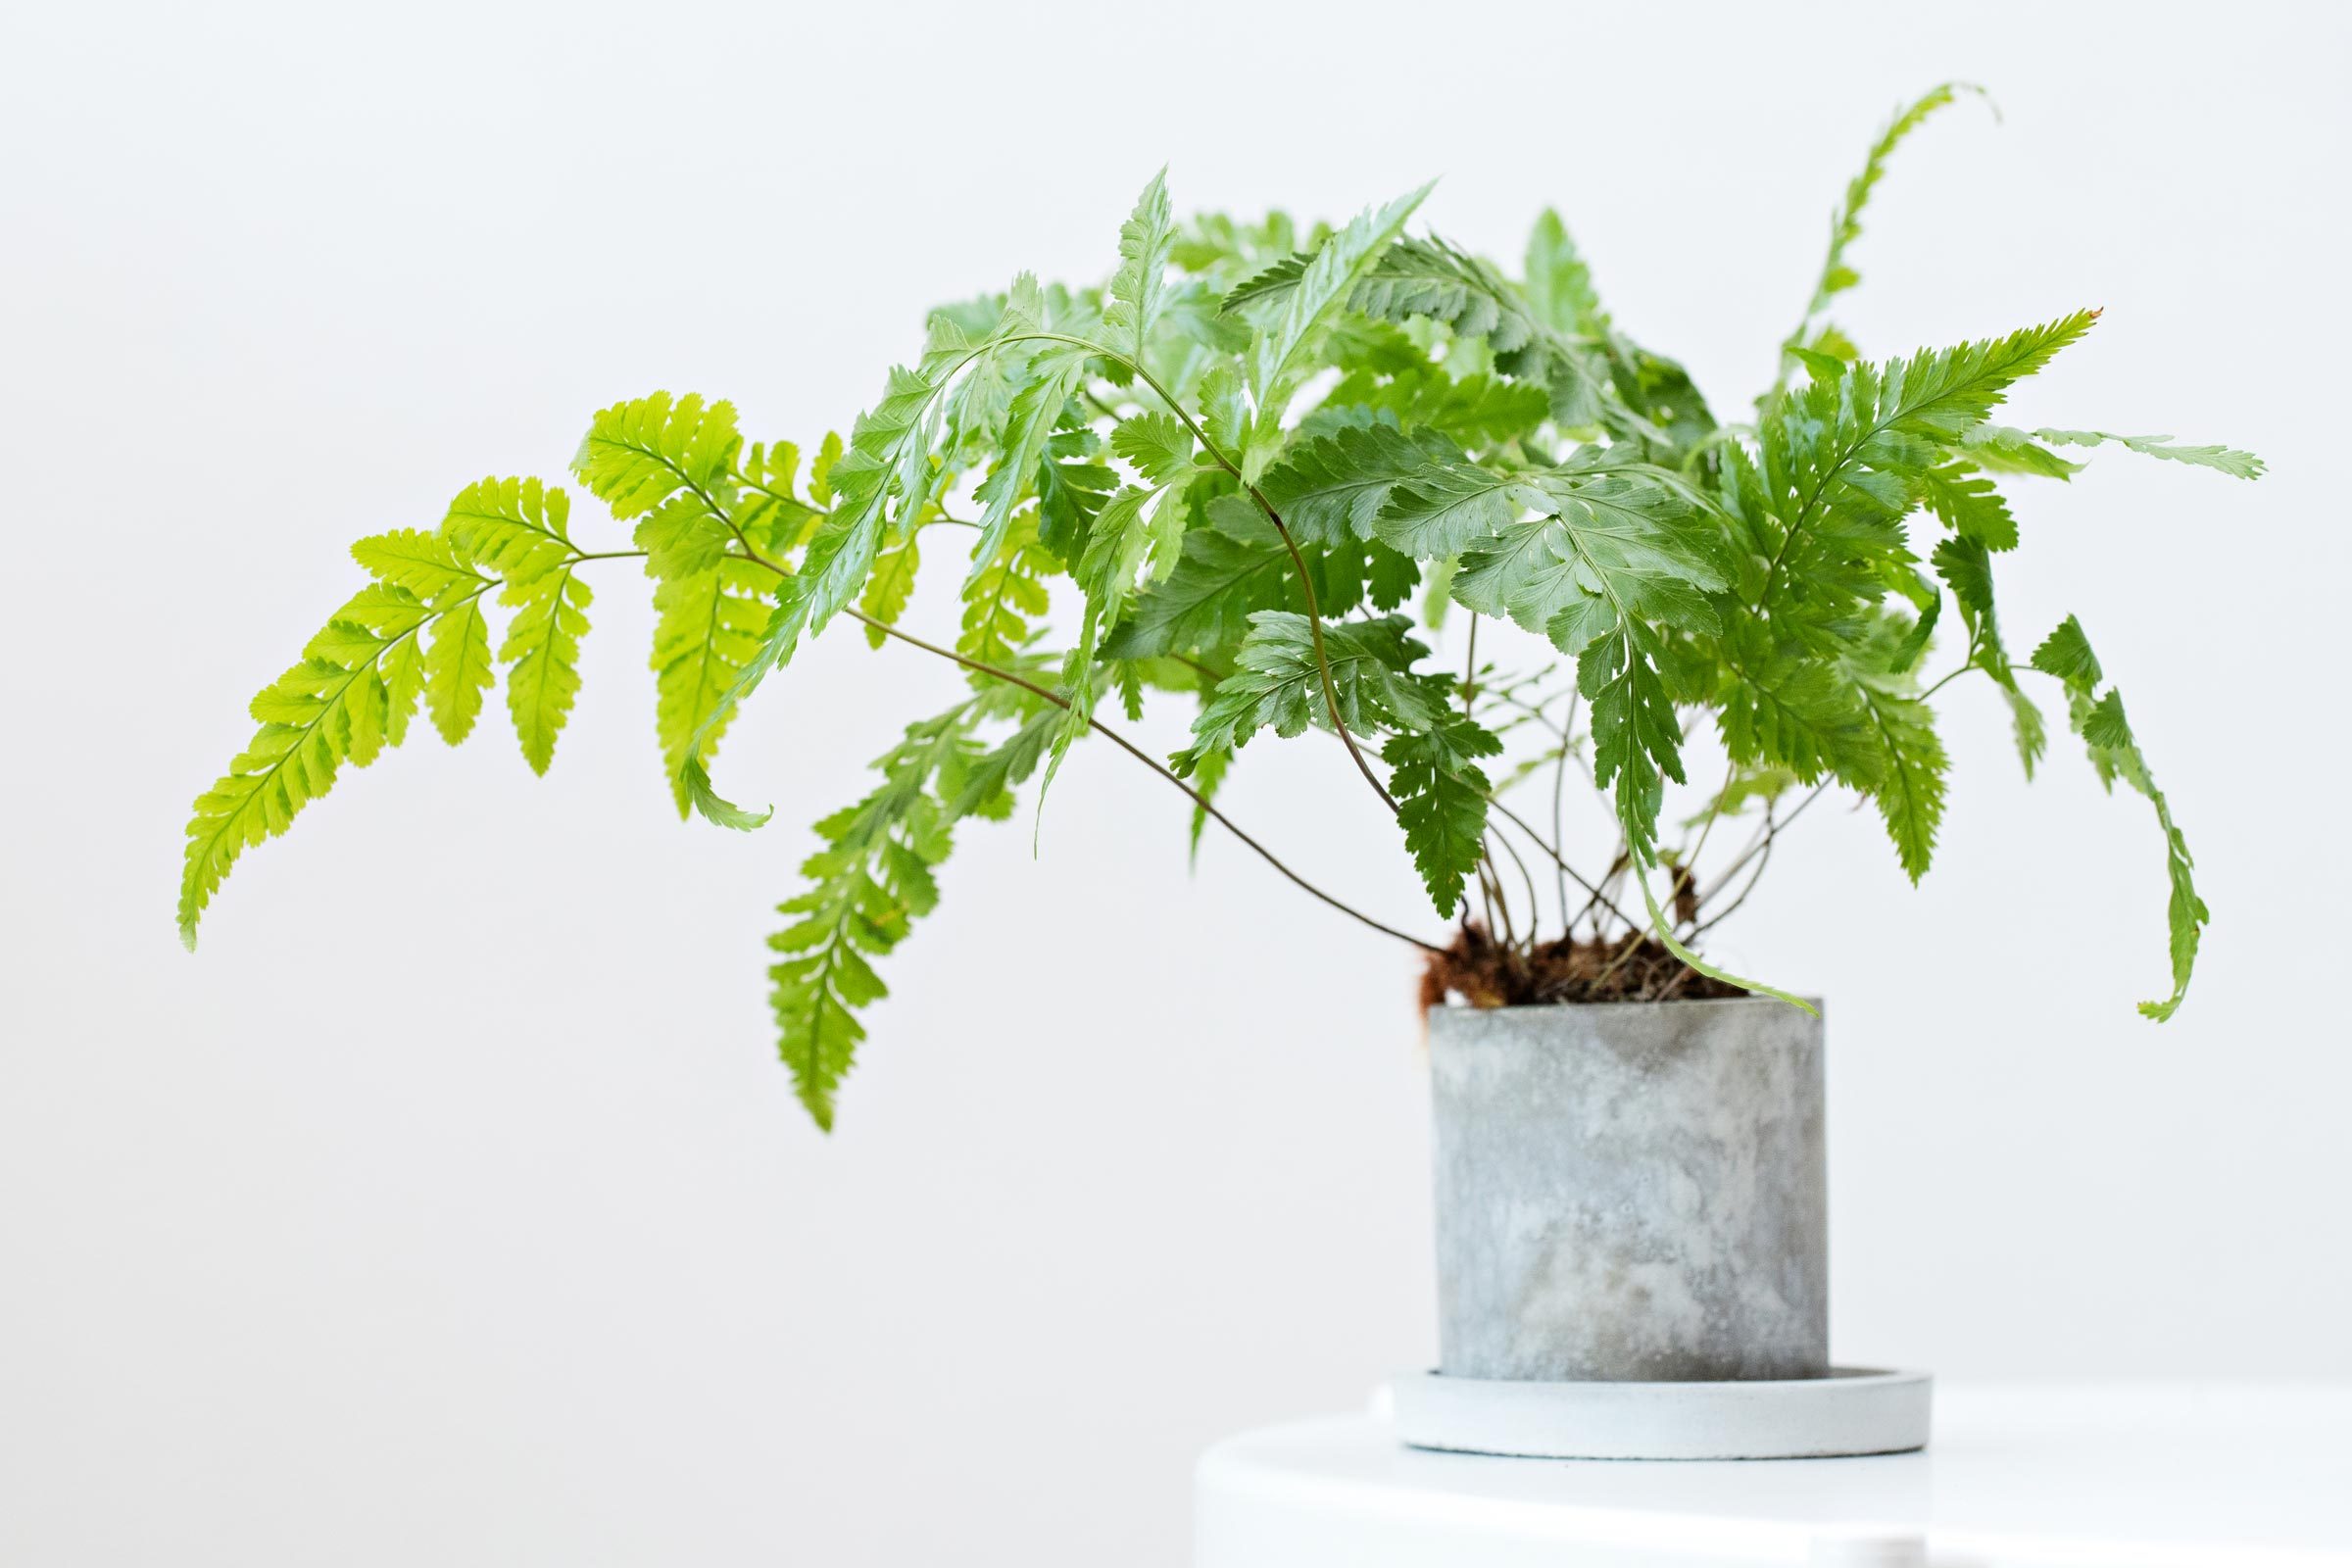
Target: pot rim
<point>1465,1008</point>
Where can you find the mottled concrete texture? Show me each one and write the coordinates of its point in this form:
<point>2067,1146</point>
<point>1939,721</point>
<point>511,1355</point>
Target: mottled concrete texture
<point>1631,1191</point>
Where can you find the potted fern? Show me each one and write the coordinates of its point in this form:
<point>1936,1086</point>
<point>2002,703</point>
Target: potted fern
<point>1258,472</point>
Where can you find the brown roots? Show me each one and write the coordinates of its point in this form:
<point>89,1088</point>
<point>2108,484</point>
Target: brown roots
<point>1486,973</point>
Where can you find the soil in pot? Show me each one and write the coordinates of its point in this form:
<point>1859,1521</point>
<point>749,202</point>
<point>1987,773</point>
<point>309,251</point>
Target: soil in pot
<point>1486,973</point>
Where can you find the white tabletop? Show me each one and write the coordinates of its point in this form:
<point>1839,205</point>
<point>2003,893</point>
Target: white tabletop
<point>2026,1476</point>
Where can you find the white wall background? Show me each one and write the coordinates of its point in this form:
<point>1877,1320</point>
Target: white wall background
<point>450,1207</point>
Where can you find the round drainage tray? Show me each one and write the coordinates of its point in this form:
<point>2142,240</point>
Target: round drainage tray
<point>1854,1410</point>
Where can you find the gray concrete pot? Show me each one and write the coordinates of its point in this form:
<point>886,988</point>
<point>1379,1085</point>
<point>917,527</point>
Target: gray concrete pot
<point>1631,1191</point>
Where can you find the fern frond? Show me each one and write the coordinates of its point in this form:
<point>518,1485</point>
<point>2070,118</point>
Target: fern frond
<point>2114,753</point>
<point>1140,286</point>
<point>517,528</point>
<point>668,461</point>
<point>1967,569</point>
<point>707,627</point>
<point>1910,797</point>
<point>1279,361</point>
<point>2226,460</point>
<point>1631,532</point>
<point>891,585</point>
<point>542,653</point>
<point>1559,286</point>
<point>1004,604</point>
<point>1475,409</point>
<point>1441,797</point>
<point>458,669</point>
<point>1277,683</point>
<point>872,879</point>
<point>1845,226</point>
<point>1433,279</point>
<point>1331,489</point>
<point>1843,460</point>
<point>1969,504</point>
<point>348,699</point>
<point>1053,374</point>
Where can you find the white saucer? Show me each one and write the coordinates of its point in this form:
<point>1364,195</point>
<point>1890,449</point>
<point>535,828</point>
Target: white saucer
<point>1854,1410</point>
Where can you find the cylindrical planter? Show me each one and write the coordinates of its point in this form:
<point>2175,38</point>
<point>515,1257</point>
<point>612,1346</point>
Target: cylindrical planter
<point>1631,1191</point>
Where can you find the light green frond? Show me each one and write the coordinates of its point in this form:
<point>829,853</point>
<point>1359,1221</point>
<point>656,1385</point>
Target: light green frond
<point>1845,226</point>
<point>706,628</point>
<point>890,585</point>
<point>1138,287</point>
<point>515,529</point>
<point>1279,361</point>
<point>542,653</point>
<point>2226,460</point>
<point>1558,285</point>
<point>348,699</point>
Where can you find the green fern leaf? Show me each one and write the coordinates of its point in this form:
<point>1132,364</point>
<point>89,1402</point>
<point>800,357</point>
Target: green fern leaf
<point>1156,446</point>
<point>668,462</point>
<point>1139,289</point>
<point>1441,797</point>
<point>1632,532</point>
<point>639,453</point>
<point>458,669</point>
<point>1844,459</point>
<point>2003,448</point>
<point>542,650</point>
<point>1968,504</point>
<point>1433,279</point>
<point>890,585</point>
<point>1911,797</point>
<point>423,564</point>
<point>706,628</point>
<point>1837,274</point>
<point>1559,286</point>
<point>889,458</point>
<point>347,700</point>
<point>1053,374</point>
<point>1277,683</point>
<point>517,528</point>
<point>872,879</point>
<point>1331,489</point>
<point>1967,569</point>
<point>1072,488</point>
<point>1004,605</point>
<point>1229,569</point>
<point>2114,752</point>
<point>1445,509</point>
<point>1273,283</point>
<point>1472,410</point>
<point>2226,460</point>
<point>1279,359</point>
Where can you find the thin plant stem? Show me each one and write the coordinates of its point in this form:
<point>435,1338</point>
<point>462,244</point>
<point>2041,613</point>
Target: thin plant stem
<point>1560,780</point>
<point>1763,860</point>
<point>1757,847</point>
<point>1537,839</point>
<point>1199,800</point>
<point>1535,910</point>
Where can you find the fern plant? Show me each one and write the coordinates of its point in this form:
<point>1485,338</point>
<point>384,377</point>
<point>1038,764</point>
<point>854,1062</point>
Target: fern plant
<point>1254,473</point>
